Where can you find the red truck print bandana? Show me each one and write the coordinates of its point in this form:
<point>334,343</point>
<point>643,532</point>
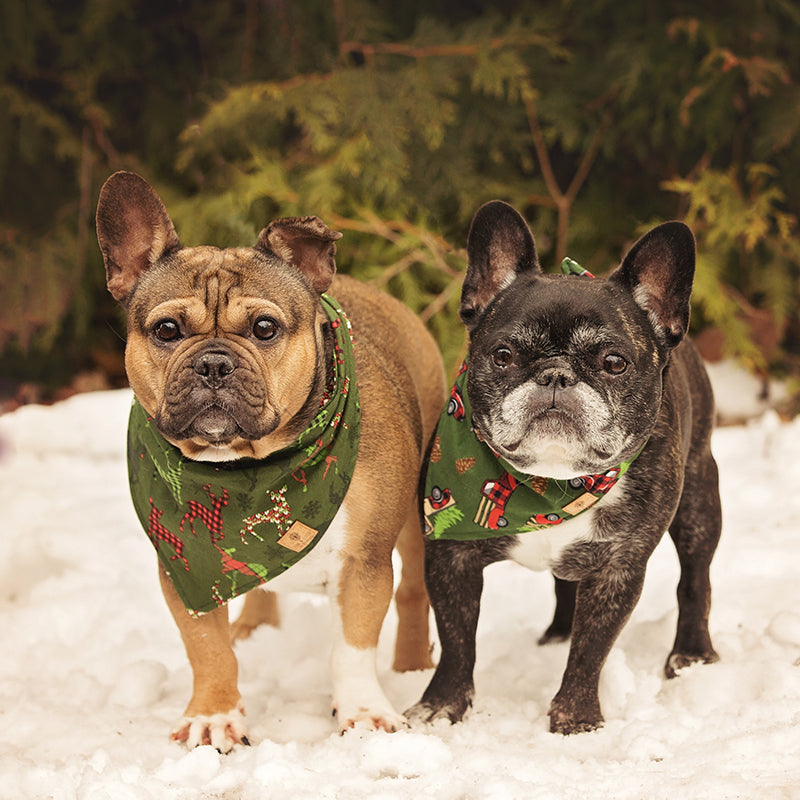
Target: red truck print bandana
<point>220,530</point>
<point>472,493</point>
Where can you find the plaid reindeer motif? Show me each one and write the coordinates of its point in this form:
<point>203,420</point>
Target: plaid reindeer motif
<point>210,517</point>
<point>158,533</point>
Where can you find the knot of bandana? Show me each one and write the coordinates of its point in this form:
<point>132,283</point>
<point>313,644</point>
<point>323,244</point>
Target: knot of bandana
<point>222,529</point>
<point>570,267</point>
<point>472,493</point>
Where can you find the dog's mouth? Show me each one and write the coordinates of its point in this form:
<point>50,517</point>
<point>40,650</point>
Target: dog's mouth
<point>546,440</point>
<point>216,423</point>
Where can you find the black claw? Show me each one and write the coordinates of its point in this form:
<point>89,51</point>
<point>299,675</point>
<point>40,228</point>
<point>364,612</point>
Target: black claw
<point>245,741</point>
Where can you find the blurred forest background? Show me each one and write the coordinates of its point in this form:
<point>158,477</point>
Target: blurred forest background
<point>393,121</point>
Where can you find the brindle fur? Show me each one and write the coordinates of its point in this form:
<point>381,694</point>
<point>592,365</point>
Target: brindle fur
<point>672,485</point>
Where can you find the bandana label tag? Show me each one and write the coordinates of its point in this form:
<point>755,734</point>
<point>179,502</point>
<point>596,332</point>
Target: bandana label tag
<point>297,537</point>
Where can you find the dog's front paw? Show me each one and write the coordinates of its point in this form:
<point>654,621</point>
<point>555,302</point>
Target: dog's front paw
<point>569,718</point>
<point>678,661</point>
<point>222,731</point>
<point>425,712</point>
<point>377,718</point>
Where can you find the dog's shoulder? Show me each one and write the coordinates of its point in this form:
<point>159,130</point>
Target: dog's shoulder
<point>688,384</point>
<point>392,344</point>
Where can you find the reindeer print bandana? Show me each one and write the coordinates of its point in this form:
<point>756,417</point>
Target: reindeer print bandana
<point>472,493</point>
<point>223,529</point>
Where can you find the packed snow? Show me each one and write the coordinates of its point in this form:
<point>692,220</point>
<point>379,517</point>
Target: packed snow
<point>93,673</point>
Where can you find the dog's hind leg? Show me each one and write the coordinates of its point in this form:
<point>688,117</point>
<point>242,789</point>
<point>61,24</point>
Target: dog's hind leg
<point>413,645</point>
<point>561,626</point>
<point>695,532</point>
<point>260,608</point>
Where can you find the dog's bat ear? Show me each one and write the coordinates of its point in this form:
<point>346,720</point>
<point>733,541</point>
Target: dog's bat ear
<point>659,272</point>
<point>306,243</point>
<point>133,230</point>
<point>499,247</point>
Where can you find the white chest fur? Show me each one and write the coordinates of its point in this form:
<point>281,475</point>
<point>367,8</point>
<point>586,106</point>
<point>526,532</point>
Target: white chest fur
<point>319,570</point>
<point>538,550</point>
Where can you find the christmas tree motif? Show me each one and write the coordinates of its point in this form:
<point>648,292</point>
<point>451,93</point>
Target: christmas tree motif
<point>446,519</point>
<point>170,472</point>
<point>278,514</point>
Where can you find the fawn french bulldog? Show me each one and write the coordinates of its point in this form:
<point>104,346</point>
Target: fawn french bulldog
<point>576,434</point>
<point>280,420</point>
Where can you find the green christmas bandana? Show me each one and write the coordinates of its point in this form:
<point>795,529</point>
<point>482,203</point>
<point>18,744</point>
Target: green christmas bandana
<point>223,529</point>
<point>472,493</point>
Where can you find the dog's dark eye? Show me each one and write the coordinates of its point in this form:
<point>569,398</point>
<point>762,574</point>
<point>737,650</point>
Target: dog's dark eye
<point>614,364</point>
<point>167,330</point>
<point>265,328</point>
<point>502,356</point>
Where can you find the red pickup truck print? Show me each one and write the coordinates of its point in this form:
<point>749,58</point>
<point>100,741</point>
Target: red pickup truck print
<point>596,484</point>
<point>495,494</point>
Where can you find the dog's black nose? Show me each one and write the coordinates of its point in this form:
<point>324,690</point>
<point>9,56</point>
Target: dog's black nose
<point>214,367</point>
<point>557,376</point>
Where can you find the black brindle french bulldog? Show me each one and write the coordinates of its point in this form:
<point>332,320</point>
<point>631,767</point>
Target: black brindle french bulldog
<point>569,377</point>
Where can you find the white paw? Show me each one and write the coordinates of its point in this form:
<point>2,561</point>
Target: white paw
<point>221,731</point>
<point>377,718</point>
<point>358,700</point>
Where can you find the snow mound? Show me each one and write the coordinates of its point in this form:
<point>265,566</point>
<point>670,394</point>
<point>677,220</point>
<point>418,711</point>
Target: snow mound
<point>93,672</point>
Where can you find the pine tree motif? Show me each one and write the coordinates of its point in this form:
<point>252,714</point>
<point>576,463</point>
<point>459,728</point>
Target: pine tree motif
<point>171,475</point>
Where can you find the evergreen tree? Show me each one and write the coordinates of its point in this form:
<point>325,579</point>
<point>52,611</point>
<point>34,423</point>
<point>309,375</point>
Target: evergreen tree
<point>394,122</point>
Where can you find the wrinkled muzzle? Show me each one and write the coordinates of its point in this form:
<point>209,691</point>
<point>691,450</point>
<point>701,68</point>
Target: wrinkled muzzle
<point>214,392</point>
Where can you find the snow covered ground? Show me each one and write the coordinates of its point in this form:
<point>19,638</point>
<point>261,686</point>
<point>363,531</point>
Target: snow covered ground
<point>93,674</point>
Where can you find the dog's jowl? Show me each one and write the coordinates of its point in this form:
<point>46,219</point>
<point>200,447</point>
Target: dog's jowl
<point>280,421</point>
<point>576,434</point>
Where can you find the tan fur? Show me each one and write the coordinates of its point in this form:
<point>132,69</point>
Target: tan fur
<point>216,306</point>
<point>260,608</point>
<point>216,294</point>
<point>214,666</point>
<point>396,368</point>
<point>412,648</point>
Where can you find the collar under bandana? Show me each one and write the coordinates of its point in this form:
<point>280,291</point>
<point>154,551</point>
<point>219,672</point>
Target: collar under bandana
<point>223,529</point>
<point>472,493</point>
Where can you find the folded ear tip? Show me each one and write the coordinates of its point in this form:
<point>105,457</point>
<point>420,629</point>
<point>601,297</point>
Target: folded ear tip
<point>308,225</point>
<point>307,243</point>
